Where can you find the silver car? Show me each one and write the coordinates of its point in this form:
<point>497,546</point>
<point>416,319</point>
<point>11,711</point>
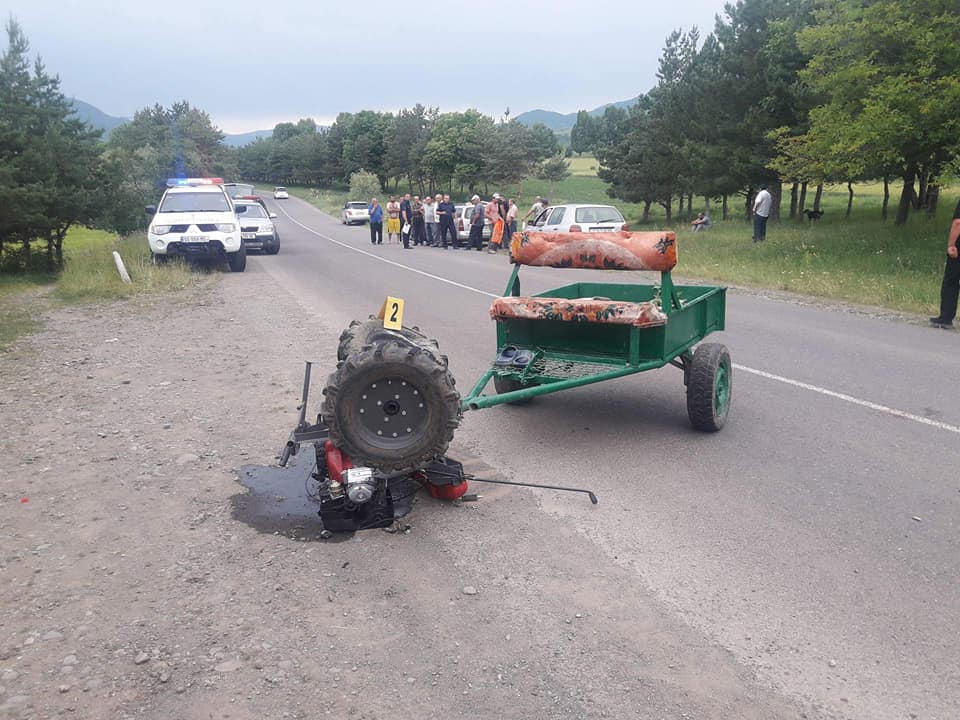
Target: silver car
<point>355,212</point>
<point>579,218</point>
<point>257,230</point>
<point>461,220</point>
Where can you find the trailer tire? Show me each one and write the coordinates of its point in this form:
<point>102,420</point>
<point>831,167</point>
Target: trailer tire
<point>358,335</point>
<point>709,387</point>
<point>392,406</point>
<point>505,384</point>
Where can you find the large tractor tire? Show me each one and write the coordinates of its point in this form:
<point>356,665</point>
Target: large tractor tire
<point>709,387</point>
<point>359,334</point>
<point>392,406</point>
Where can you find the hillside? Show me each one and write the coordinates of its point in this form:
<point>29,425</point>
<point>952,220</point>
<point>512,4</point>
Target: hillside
<point>562,123</point>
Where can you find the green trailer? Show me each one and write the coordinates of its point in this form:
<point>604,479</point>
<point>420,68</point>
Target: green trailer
<point>586,332</point>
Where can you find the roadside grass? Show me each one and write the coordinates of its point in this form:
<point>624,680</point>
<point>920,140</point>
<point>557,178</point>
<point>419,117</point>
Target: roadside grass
<point>330,201</point>
<point>89,275</point>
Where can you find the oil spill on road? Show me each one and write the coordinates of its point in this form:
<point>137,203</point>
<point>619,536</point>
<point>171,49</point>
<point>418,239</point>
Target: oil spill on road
<point>279,501</point>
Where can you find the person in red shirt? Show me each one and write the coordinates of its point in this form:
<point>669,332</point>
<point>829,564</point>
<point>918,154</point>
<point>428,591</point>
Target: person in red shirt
<point>950,287</point>
<point>492,213</point>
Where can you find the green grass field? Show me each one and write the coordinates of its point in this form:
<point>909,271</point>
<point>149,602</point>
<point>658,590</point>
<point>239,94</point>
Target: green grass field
<point>861,259</point>
<point>89,275</point>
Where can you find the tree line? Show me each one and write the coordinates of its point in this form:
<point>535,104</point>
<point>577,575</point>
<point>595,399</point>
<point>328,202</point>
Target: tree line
<point>794,94</point>
<point>419,149</point>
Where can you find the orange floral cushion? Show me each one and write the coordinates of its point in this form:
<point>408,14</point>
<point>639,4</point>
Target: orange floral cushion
<point>600,251</point>
<point>587,310</point>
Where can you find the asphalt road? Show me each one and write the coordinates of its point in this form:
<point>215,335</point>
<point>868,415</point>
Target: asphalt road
<point>815,538</point>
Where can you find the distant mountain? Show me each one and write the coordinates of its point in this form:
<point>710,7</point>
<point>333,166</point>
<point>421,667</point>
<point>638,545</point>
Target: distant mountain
<point>100,120</point>
<point>96,117</point>
<point>246,138</point>
<point>562,123</point>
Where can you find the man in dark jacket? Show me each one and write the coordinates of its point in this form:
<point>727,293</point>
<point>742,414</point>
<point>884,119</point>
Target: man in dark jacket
<point>406,220</point>
<point>950,287</point>
<point>446,210</point>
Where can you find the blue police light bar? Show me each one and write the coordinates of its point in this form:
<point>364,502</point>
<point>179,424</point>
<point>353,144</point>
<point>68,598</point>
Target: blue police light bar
<point>189,182</point>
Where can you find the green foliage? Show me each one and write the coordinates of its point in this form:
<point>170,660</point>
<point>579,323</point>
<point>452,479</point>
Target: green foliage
<point>49,162</point>
<point>364,185</point>
<point>554,169</point>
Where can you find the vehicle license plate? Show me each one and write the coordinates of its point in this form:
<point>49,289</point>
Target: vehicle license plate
<point>248,236</point>
<point>601,229</point>
<point>193,238</point>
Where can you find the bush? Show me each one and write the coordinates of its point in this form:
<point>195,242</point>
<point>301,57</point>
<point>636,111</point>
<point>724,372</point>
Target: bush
<point>364,185</point>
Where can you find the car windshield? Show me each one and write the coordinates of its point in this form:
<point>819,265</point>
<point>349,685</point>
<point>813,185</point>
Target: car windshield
<point>357,206</point>
<point>600,214</point>
<point>280,189</point>
<point>254,211</point>
<point>238,189</point>
<point>194,202</point>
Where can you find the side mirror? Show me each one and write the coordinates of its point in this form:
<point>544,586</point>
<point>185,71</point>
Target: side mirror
<point>150,209</point>
<point>240,209</point>
<point>272,215</point>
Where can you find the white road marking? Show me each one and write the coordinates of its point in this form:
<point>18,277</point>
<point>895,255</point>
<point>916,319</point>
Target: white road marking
<point>850,399</point>
<point>753,371</point>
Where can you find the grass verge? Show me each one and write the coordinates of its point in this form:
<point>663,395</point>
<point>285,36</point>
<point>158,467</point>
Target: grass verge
<point>89,275</point>
<point>330,201</point>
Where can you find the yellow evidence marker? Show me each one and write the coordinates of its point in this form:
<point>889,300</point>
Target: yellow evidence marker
<point>391,312</point>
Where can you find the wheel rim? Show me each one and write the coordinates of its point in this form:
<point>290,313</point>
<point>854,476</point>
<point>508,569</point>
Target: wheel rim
<point>393,413</point>
<point>721,390</point>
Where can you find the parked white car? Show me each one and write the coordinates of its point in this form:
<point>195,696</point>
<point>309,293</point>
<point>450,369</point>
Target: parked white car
<point>280,193</point>
<point>355,212</point>
<point>196,218</point>
<point>579,218</point>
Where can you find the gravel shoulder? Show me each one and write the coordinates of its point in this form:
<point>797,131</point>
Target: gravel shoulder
<point>129,589</point>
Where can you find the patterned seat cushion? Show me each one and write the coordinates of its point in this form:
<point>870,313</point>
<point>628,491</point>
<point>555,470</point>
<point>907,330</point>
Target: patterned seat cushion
<point>587,310</point>
<point>599,251</point>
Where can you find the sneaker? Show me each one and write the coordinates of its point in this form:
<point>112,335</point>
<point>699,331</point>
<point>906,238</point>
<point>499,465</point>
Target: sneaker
<point>941,323</point>
<point>491,252</point>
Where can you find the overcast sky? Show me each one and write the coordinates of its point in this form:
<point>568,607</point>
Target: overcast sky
<point>253,63</point>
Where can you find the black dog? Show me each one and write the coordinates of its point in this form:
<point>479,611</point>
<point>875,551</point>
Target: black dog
<point>813,214</point>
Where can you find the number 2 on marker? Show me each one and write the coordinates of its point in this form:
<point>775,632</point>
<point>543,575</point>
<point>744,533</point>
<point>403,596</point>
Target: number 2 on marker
<point>393,313</point>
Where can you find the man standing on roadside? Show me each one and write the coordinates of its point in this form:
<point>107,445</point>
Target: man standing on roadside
<point>511,220</point>
<point>950,288</point>
<point>492,213</point>
<point>445,211</point>
<point>534,211</point>
<point>406,220</point>
<point>376,222</point>
<point>476,224</point>
<point>430,220</point>
<point>393,219</point>
<point>416,213</point>
<point>761,211</point>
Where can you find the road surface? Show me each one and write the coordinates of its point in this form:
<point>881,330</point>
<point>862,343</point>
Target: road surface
<point>812,545</point>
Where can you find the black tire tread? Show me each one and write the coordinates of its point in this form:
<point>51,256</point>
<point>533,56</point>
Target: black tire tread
<point>238,260</point>
<point>506,384</point>
<point>357,336</point>
<point>392,358</point>
<point>700,387</point>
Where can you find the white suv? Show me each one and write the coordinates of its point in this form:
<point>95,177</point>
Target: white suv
<point>196,218</point>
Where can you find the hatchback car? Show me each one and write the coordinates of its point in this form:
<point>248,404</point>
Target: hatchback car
<point>354,212</point>
<point>461,220</point>
<point>280,193</point>
<point>257,229</point>
<point>579,218</point>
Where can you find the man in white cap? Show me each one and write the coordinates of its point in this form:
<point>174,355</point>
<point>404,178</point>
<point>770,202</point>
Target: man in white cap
<point>492,213</point>
<point>476,225</point>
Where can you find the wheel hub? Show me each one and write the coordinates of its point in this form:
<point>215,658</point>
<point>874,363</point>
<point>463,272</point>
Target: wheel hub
<point>393,412</point>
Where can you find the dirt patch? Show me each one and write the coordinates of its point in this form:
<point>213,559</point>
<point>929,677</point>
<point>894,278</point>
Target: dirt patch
<point>129,589</point>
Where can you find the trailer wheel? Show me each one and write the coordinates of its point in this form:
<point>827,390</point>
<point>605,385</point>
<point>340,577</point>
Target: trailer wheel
<point>506,384</point>
<point>709,387</point>
<point>392,406</point>
<point>358,334</point>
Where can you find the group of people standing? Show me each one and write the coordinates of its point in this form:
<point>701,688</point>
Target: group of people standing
<point>432,221</point>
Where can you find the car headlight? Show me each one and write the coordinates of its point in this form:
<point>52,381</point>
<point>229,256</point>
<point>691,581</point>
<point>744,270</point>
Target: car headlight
<point>226,227</point>
<point>266,228</point>
<point>160,229</point>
